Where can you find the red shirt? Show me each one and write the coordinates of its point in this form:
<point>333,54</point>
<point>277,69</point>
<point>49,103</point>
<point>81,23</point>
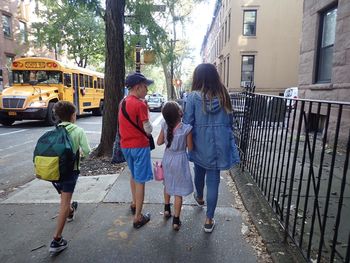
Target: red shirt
<point>138,113</point>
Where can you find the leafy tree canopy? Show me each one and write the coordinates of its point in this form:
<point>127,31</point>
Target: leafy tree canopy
<point>157,31</point>
<point>74,25</point>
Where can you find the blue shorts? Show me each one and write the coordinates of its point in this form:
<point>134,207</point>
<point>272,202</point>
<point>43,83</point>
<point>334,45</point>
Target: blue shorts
<point>139,162</point>
<point>69,185</point>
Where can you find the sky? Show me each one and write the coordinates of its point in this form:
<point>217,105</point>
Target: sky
<point>201,19</point>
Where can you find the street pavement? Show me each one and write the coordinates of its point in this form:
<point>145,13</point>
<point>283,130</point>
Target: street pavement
<point>103,232</point>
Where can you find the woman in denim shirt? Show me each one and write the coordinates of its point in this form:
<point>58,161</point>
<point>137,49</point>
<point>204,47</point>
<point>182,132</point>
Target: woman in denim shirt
<point>209,111</point>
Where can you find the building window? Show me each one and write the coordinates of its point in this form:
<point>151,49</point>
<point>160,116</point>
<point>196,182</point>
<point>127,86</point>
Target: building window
<point>229,27</point>
<point>225,31</point>
<point>224,71</point>
<point>326,45</point>
<point>228,71</point>
<point>247,70</point>
<point>249,23</point>
<point>6,25</point>
<point>23,32</point>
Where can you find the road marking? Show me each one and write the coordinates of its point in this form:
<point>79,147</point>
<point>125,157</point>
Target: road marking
<point>7,133</point>
<point>8,155</point>
<point>157,121</point>
<point>93,132</point>
<point>16,145</point>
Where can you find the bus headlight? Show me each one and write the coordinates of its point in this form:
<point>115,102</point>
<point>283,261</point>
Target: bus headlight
<point>36,104</point>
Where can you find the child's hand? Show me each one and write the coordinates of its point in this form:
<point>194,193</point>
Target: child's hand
<point>160,139</point>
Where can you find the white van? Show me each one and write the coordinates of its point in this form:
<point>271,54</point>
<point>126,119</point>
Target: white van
<point>291,93</point>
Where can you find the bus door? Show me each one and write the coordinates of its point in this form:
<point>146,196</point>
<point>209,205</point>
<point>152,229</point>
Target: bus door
<point>76,92</point>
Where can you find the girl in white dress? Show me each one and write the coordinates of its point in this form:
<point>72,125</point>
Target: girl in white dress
<point>177,137</point>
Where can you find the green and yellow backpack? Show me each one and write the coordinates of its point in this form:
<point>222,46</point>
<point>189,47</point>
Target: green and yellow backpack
<point>53,156</point>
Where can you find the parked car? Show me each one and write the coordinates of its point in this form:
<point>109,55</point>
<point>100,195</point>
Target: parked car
<point>291,93</point>
<point>155,103</point>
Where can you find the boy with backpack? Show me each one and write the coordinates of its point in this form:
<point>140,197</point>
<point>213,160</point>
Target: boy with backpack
<point>66,112</point>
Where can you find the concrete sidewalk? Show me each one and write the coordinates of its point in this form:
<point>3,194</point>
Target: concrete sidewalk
<point>103,232</point>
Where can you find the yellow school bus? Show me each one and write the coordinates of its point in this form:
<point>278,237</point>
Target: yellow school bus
<point>38,83</point>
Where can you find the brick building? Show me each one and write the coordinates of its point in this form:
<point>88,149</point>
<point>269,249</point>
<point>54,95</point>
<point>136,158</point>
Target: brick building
<point>15,35</point>
<point>324,71</point>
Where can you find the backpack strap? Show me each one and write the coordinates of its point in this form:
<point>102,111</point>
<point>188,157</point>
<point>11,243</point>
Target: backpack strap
<point>77,154</point>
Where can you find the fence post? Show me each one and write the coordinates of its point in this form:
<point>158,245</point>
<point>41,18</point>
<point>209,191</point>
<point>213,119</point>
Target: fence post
<point>293,170</point>
<point>248,106</point>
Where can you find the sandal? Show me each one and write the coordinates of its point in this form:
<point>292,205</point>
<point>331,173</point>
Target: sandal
<point>144,220</point>
<point>176,223</point>
<point>133,209</point>
<point>167,211</point>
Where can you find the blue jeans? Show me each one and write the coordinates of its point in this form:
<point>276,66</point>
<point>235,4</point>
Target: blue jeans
<point>212,179</point>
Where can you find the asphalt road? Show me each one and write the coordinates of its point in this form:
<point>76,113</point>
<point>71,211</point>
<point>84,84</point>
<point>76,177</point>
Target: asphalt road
<point>18,141</point>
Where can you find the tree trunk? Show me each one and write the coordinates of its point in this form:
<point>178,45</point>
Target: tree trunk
<point>167,78</point>
<point>114,74</point>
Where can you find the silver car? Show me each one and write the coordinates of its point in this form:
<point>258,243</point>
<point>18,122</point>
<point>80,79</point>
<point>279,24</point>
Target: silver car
<point>155,103</point>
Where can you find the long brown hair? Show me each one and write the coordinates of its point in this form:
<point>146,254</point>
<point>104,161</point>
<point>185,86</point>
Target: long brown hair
<point>206,79</point>
<point>172,115</point>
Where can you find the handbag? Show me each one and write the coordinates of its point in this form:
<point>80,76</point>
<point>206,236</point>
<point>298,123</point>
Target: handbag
<point>150,137</point>
<point>117,156</point>
<point>158,171</point>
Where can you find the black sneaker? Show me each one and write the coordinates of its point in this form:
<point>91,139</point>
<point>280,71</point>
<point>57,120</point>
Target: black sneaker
<point>58,246</point>
<point>72,214</point>
<point>199,203</point>
<point>208,228</point>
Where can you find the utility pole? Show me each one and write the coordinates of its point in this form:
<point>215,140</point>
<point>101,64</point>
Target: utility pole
<point>172,46</point>
<point>155,8</point>
<point>138,57</point>
<point>172,69</point>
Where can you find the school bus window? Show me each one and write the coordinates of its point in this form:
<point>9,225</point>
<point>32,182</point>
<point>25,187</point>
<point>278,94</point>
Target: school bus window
<point>98,83</point>
<point>67,80</point>
<point>95,84</point>
<point>81,80</point>
<point>103,83</point>
<point>90,82</point>
<point>41,76</point>
<point>86,78</point>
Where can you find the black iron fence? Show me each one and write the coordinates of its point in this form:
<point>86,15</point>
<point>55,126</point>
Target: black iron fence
<point>297,151</point>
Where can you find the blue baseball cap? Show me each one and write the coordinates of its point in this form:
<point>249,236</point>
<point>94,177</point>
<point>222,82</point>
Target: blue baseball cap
<point>135,78</point>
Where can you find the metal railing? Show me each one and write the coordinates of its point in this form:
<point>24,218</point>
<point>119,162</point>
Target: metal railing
<point>297,151</point>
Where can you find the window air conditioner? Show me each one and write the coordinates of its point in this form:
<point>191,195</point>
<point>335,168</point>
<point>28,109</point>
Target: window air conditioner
<point>245,84</point>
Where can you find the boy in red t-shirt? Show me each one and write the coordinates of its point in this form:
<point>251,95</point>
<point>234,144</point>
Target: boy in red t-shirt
<point>135,144</point>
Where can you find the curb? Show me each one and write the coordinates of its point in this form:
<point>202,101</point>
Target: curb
<point>265,220</point>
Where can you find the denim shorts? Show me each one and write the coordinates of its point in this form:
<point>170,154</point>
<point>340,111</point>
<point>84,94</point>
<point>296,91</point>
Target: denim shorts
<point>139,163</point>
<point>68,186</point>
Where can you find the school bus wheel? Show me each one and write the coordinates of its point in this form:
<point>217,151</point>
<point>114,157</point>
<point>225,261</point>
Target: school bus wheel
<point>6,121</point>
<point>51,118</point>
<point>99,110</point>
